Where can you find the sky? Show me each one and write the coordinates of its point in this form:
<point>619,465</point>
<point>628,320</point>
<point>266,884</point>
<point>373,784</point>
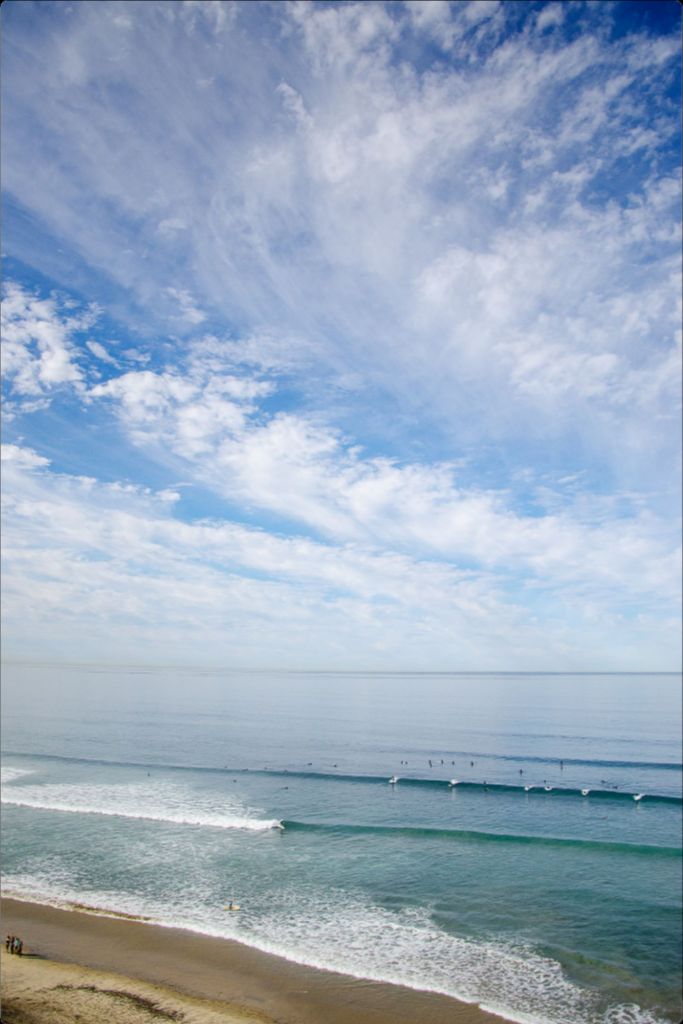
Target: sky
<point>342,335</point>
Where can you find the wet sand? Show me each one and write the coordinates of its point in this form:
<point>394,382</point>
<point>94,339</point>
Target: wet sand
<point>80,966</point>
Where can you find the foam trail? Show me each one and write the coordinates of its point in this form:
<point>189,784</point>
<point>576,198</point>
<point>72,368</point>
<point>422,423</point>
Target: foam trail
<point>170,804</point>
<point>8,773</point>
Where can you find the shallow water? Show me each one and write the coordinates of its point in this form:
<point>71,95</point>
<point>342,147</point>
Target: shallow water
<point>163,793</point>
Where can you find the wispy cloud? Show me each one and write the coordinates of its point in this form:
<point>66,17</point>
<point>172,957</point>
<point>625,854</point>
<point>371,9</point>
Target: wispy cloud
<point>395,284</point>
<point>86,561</point>
<point>330,190</point>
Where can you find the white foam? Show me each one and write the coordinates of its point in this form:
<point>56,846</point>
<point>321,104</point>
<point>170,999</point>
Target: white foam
<point>358,938</point>
<point>8,773</point>
<point>155,802</point>
<point>629,1013</point>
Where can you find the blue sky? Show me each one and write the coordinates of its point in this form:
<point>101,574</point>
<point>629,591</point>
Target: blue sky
<point>342,335</point>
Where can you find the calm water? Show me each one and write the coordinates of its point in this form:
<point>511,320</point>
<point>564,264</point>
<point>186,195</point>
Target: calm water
<point>161,793</point>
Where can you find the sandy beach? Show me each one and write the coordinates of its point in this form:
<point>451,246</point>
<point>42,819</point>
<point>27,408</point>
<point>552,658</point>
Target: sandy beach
<point>83,967</point>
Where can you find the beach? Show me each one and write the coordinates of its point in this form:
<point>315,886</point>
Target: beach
<point>82,966</point>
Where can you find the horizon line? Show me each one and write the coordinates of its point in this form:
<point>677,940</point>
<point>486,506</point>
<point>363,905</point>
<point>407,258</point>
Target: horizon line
<point>334,671</point>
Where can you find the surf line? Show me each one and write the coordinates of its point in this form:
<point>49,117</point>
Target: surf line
<point>295,773</point>
<point>464,835</point>
<point>396,781</point>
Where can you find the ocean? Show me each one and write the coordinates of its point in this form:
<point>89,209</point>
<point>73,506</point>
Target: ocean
<point>527,856</point>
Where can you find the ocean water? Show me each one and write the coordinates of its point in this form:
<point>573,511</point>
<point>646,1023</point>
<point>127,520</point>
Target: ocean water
<point>517,871</point>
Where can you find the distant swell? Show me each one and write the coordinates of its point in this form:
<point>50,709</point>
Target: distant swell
<point>534,790</point>
<point>461,835</point>
<point>494,787</point>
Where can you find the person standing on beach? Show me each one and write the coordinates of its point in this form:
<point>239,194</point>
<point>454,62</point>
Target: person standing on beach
<point>8,942</point>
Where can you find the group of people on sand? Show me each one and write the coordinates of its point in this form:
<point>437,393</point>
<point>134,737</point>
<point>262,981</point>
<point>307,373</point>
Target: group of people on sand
<point>14,945</point>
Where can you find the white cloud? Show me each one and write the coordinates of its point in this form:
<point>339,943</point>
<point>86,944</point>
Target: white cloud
<point>107,568</point>
<point>188,308</point>
<point>25,457</point>
<point>100,352</point>
<point>478,10</point>
<point>136,356</point>
<point>550,16</point>
<point>217,14</point>
<point>189,413</point>
<point>308,474</point>
<point>170,225</point>
<point>322,234</point>
<point>434,18</point>
<point>37,348</point>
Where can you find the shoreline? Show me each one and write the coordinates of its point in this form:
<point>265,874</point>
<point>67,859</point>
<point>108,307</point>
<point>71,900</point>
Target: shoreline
<point>213,974</point>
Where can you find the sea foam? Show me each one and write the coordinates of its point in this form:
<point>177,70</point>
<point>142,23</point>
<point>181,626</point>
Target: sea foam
<point>347,933</point>
<point>161,802</point>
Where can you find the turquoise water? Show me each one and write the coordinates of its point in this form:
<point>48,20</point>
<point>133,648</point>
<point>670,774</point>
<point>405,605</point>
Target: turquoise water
<point>166,793</point>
